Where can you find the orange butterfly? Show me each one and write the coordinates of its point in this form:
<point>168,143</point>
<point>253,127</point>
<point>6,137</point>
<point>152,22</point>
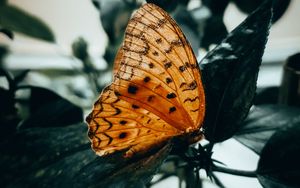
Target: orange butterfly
<point>156,94</point>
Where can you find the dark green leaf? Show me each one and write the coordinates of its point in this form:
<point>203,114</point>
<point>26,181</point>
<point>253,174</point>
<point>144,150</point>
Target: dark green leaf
<point>263,121</point>
<point>7,32</point>
<point>279,164</point>
<point>62,157</point>
<point>3,2</point>
<point>230,74</point>
<point>113,171</point>
<point>45,157</point>
<point>15,19</point>
<point>48,109</point>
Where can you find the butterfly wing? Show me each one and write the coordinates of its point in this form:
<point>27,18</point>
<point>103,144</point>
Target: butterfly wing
<point>116,125</point>
<point>156,80</point>
<point>117,61</point>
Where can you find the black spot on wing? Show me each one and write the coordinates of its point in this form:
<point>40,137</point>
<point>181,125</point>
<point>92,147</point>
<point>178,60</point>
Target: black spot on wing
<point>168,50</point>
<point>155,53</point>
<point>167,64</point>
<point>122,135</point>
<point>132,89</point>
<point>135,106</point>
<point>158,41</point>
<point>182,68</point>
<point>171,95</point>
<point>146,79</point>
<point>151,65</point>
<point>123,122</point>
<point>168,80</point>
<point>172,109</point>
<point>150,98</point>
<point>176,42</point>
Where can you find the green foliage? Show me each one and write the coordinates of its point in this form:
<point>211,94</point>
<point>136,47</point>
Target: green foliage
<point>16,19</point>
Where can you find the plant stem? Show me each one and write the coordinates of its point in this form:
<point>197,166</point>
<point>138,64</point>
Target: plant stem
<point>234,171</point>
<point>191,178</point>
<point>217,181</point>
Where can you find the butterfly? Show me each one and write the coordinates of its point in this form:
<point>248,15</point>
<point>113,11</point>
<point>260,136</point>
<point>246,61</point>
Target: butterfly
<point>156,93</point>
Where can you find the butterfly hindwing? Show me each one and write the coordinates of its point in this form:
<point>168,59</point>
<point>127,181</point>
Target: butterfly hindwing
<point>116,125</point>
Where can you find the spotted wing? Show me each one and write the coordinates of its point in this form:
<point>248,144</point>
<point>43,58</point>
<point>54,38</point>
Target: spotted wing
<point>158,68</point>
<point>156,93</point>
<point>116,125</point>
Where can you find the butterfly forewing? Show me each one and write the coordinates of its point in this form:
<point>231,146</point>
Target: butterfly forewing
<point>157,91</point>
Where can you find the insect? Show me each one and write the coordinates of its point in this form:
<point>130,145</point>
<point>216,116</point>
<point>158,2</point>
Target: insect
<point>156,93</point>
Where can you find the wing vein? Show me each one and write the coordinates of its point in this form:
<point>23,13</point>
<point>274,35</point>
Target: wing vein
<point>167,56</point>
<point>128,140</point>
<point>148,73</point>
<point>154,60</point>
<point>153,110</point>
<point>141,125</point>
<point>173,24</point>
<point>146,88</point>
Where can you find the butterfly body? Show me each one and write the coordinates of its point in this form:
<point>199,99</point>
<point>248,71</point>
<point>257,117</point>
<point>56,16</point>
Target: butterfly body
<point>156,93</point>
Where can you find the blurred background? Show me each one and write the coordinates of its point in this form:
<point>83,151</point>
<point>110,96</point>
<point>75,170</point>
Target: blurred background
<point>75,60</point>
